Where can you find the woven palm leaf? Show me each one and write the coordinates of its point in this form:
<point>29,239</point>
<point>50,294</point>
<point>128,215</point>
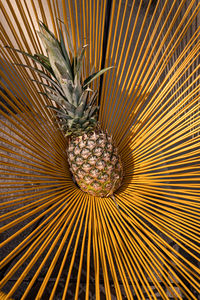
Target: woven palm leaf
<point>58,242</point>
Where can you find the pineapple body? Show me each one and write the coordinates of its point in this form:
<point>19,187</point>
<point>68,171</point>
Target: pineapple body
<point>95,163</point>
<point>93,158</point>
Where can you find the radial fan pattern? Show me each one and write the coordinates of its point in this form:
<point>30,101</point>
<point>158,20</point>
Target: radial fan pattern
<point>58,242</point>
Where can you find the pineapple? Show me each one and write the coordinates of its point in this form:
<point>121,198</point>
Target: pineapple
<point>93,158</point>
<point>95,163</point>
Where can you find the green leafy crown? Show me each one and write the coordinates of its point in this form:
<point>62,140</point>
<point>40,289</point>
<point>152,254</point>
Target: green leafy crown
<point>75,111</point>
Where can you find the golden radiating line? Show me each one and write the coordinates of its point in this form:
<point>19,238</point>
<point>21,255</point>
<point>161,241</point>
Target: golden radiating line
<point>116,55</point>
<point>154,120</point>
<point>190,281</point>
<point>26,23</point>
<point>35,13</point>
<point>104,103</point>
<point>102,257</point>
<point>119,63</point>
<point>149,111</point>
<point>82,42</point>
<point>180,133</point>
<point>122,101</point>
<point>155,161</point>
<point>172,116</point>
<point>145,266</point>
<point>146,199</point>
<point>66,185</point>
<point>28,113</point>
<point>153,158</point>
<point>77,24</point>
<point>186,204</point>
<point>159,114</point>
<point>146,284</point>
<point>101,25</point>
<point>114,38</point>
<point>182,228</point>
<point>3,296</point>
<point>95,250</point>
<point>168,101</point>
<point>48,238</point>
<point>176,44</point>
<point>107,241</point>
<point>32,235</point>
<point>53,171</point>
<point>52,18</point>
<point>90,33</point>
<point>43,204</point>
<point>36,44</point>
<point>88,251</point>
<point>73,258</point>
<point>25,197</point>
<point>100,33</point>
<point>57,196</point>
<point>81,255</point>
<point>93,30</point>
<point>67,218</point>
<point>165,232</point>
<point>32,165</point>
<point>35,244</point>
<point>148,241</point>
<point>97,35</point>
<point>28,82</point>
<point>151,165</point>
<point>175,78</point>
<point>77,215</point>
<point>85,32</point>
<point>33,147</point>
<point>157,39</point>
<point>71,13</point>
<point>42,11</point>
<point>55,160</point>
<point>56,155</point>
<point>17,23</point>
<point>166,35</point>
<point>41,159</point>
<point>128,49</point>
<point>55,12</point>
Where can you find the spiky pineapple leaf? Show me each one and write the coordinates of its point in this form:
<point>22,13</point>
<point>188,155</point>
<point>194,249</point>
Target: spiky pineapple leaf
<point>38,58</point>
<point>74,64</point>
<point>62,102</point>
<point>42,74</point>
<point>76,94</point>
<point>69,38</point>
<point>59,112</point>
<point>43,26</point>
<point>93,111</point>
<point>64,74</point>
<point>34,69</point>
<point>65,54</point>
<point>59,100</point>
<point>92,77</point>
<point>43,58</point>
<point>93,99</point>
<point>83,102</point>
<point>46,86</point>
<point>52,89</point>
<point>80,61</point>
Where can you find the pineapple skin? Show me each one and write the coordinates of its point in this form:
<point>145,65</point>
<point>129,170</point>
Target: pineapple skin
<point>95,163</point>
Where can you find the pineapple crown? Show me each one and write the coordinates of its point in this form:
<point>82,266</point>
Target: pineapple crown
<point>75,111</point>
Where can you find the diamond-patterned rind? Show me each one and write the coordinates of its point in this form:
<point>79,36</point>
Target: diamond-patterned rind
<point>95,163</point>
